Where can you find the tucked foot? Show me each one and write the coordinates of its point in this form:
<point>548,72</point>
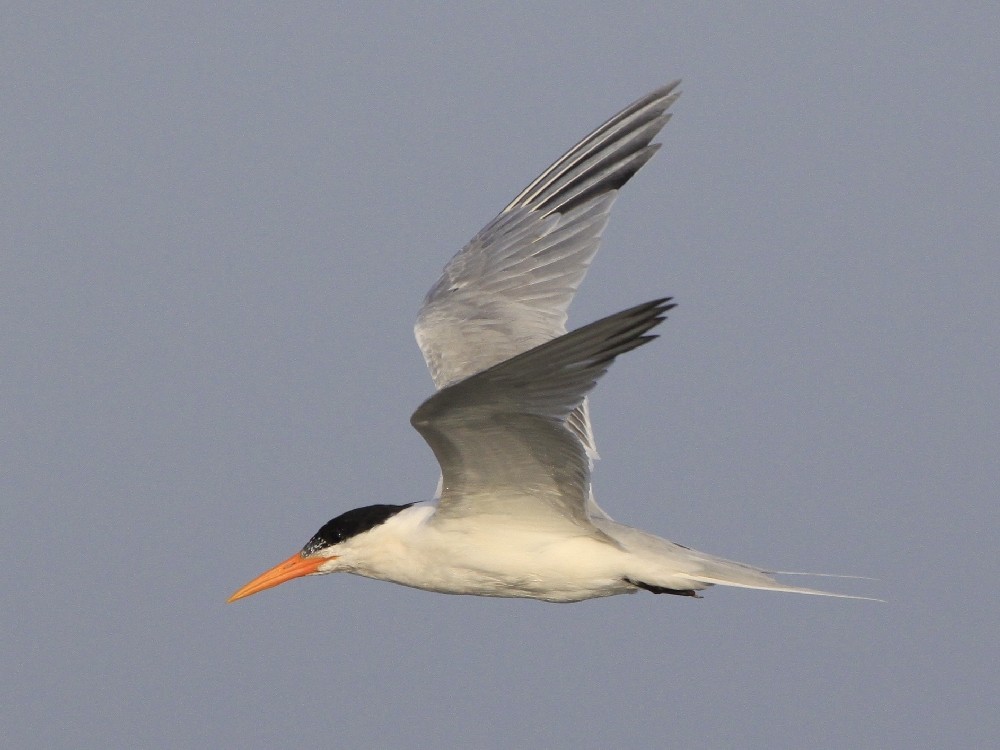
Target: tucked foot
<point>662,590</point>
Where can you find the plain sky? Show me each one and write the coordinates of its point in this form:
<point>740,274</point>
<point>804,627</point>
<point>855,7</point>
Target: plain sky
<point>218,222</point>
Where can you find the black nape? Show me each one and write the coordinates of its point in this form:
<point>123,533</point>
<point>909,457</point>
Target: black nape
<point>349,524</point>
<point>661,590</point>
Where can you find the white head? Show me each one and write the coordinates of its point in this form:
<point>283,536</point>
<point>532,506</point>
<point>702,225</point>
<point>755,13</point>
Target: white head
<point>322,554</point>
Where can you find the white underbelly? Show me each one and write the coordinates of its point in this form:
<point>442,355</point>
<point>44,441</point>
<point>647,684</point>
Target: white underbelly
<point>527,564</point>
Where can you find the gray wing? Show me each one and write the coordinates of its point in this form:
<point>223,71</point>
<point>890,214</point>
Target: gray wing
<point>501,436</point>
<point>509,289</point>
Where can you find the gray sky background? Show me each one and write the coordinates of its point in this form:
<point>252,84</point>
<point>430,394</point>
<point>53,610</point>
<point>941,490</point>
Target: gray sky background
<point>218,224</point>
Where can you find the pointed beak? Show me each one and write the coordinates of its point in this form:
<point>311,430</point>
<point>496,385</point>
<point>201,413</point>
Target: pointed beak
<point>295,566</point>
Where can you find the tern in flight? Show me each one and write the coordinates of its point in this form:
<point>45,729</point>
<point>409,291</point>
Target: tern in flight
<point>515,514</point>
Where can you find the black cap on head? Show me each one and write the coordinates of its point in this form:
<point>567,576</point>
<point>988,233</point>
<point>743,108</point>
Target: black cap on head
<point>349,524</point>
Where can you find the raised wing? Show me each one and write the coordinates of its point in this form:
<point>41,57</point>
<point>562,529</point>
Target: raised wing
<point>509,289</point>
<point>501,436</point>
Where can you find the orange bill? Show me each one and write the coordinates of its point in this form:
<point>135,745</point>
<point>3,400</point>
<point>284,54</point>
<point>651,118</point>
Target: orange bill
<point>294,567</point>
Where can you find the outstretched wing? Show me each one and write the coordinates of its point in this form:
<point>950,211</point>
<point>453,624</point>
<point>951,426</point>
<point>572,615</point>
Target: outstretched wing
<point>501,436</point>
<point>509,289</point>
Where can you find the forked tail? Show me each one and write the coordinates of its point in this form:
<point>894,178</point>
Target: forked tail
<point>719,572</point>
